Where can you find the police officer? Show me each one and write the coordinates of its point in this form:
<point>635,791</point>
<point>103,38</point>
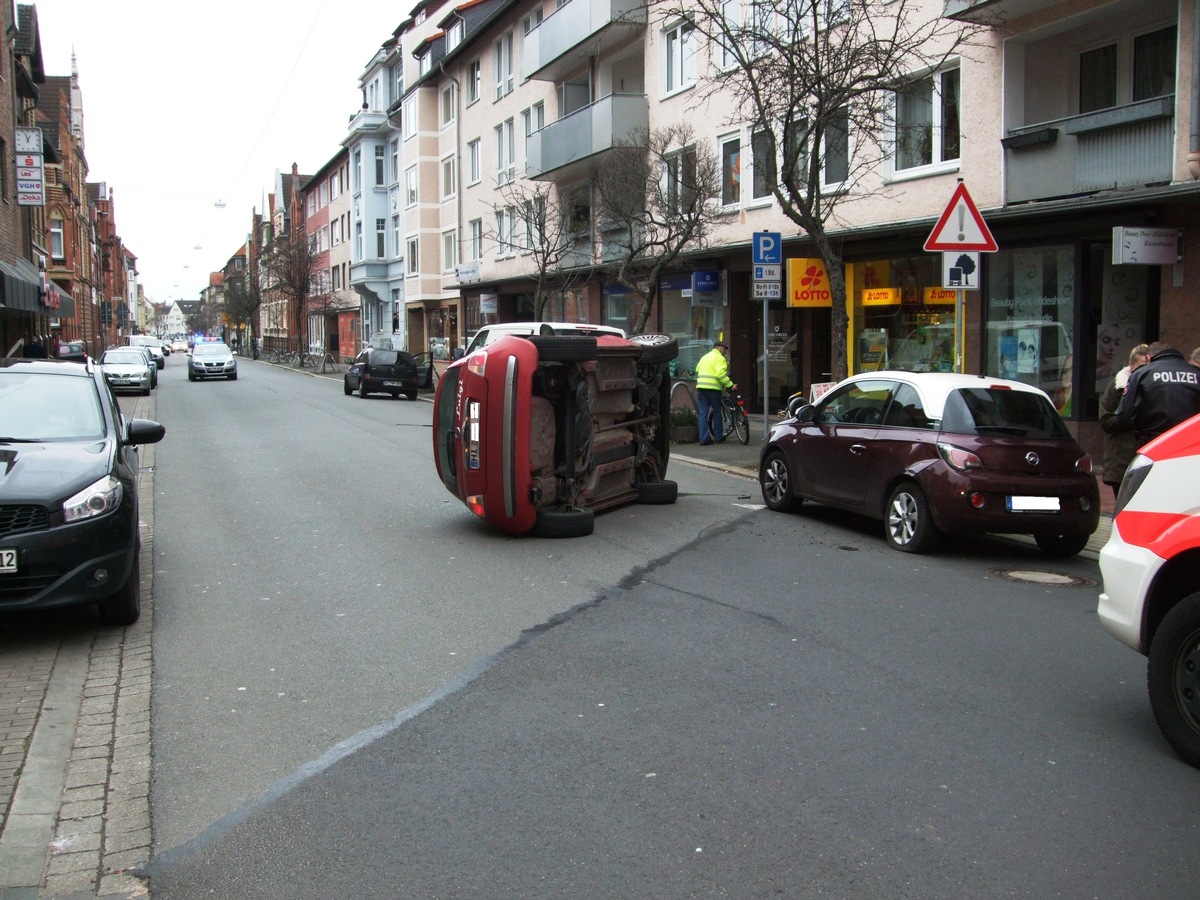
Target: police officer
<point>1161,394</point>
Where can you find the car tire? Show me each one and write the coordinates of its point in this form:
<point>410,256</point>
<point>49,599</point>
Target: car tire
<point>191,377</point>
<point>1059,546</point>
<point>564,523</point>
<point>564,347</point>
<point>1173,678</point>
<point>146,392</point>
<point>907,523</point>
<point>657,348</point>
<point>657,492</point>
<point>346,387</point>
<point>775,482</point>
<point>233,377</point>
<point>411,395</point>
<point>362,388</point>
<point>123,607</point>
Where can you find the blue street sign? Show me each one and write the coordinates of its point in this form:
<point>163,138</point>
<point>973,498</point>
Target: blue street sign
<point>767,248</point>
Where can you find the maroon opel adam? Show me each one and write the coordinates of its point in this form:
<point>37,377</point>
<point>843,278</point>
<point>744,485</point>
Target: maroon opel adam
<point>536,433</point>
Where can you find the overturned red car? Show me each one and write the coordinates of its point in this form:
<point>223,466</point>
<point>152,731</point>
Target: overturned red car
<point>536,433</point>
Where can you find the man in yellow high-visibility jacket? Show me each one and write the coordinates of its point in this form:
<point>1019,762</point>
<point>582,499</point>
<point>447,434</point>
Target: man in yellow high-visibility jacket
<point>712,377</point>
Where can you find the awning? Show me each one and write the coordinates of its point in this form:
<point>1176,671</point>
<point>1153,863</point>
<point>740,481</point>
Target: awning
<point>17,291</point>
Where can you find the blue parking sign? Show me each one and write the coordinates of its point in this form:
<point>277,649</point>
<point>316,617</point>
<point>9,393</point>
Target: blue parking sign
<point>767,249</point>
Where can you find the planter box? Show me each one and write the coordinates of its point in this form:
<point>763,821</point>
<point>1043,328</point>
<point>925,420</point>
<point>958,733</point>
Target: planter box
<point>685,434</point>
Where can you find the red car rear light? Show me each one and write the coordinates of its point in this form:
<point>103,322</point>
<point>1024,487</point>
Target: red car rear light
<point>475,504</point>
<point>1084,464</point>
<point>959,458</point>
<point>477,363</point>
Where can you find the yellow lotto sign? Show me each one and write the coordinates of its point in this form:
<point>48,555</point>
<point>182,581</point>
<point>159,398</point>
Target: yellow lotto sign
<point>936,295</point>
<point>881,297</point>
<point>807,283</point>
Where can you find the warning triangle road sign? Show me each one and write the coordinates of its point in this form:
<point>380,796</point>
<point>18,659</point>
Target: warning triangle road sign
<point>961,227</point>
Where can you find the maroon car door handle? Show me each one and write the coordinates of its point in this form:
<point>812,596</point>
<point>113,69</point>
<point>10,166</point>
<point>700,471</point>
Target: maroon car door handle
<point>858,449</point>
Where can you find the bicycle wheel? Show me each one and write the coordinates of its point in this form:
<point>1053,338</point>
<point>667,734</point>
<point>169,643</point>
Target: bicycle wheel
<point>741,424</point>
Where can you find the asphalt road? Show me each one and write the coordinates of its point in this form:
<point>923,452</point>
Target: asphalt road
<point>700,701</point>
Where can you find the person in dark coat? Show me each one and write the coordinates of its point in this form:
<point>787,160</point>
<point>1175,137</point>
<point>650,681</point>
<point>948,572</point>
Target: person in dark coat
<point>34,348</point>
<point>1161,394</point>
<point>1120,443</point>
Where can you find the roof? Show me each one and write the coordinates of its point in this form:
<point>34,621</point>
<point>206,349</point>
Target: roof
<point>935,387</point>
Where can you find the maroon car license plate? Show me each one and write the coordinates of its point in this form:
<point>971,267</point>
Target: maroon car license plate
<point>8,559</point>
<point>1033,504</point>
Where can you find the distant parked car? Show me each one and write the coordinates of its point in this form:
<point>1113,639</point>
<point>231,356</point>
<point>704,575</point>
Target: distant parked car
<point>211,360</point>
<point>1151,598</point>
<point>382,372</point>
<point>125,369</point>
<point>932,453</point>
<point>69,504</point>
<point>150,363</point>
<point>152,344</point>
<point>179,345</point>
<point>73,350</point>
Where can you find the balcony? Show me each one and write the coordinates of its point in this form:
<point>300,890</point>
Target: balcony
<point>988,11</point>
<point>562,149</point>
<point>1126,146</point>
<point>576,30</point>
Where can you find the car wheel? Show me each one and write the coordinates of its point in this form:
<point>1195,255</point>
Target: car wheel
<point>775,481</point>
<point>233,377</point>
<point>563,347</point>
<point>657,492</point>
<point>191,377</point>
<point>411,395</point>
<point>146,392</point>
<point>564,523</point>
<point>907,524</point>
<point>362,388</point>
<point>346,387</point>
<point>1173,678</point>
<point>657,348</point>
<point>396,395</point>
<point>124,607</point>
<point>1061,545</point>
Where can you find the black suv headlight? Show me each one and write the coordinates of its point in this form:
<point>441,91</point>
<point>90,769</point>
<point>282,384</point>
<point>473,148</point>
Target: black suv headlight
<point>95,500</point>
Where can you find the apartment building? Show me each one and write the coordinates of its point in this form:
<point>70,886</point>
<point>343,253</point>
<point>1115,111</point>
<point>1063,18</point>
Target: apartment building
<point>1068,122</point>
<point>335,310</point>
<point>376,249</point>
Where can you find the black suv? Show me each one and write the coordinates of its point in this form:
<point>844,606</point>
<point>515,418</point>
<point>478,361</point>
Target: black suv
<point>382,372</point>
<point>68,490</point>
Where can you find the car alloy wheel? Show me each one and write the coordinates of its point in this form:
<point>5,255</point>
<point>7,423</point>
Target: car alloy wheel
<point>775,480</point>
<point>907,523</point>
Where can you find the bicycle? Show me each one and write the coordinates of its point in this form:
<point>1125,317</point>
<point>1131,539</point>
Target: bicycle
<point>734,419</point>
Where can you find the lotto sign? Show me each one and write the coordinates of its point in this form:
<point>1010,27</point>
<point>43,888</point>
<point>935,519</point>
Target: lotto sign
<point>808,284</point>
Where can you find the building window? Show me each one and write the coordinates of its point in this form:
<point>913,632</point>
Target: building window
<point>474,81</point>
<point>449,251</point>
<point>396,232</point>
<point>425,63</point>
<point>731,12</point>
<point>473,162</point>
<point>505,152</point>
<point>410,186</point>
<point>764,176</point>
<point>1098,78</point>
<point>447,105</point>
<point>57,250</point>
<point>381,238</point>
<point>837,148</point>
<point>731,170</point>
<point>927,116</point>
<point>476,249</point>
<point>503,53</point>
<point>681,179</point>
<point>532,120</point>
<point>380,154</point>
<point>680,43</point>
<point>412,266</point>
<point>531,21</point>
<point>506,221</point>
<point>454,35</point>
<point>357,169</point>
<point>409,117</point>
<point>448,177</point>
<point>358,240</point>
<point>534,213</point>
<point>1154,64</point>
<point>395,162</point>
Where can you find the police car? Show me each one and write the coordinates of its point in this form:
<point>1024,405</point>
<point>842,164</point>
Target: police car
<point>1151,596</point>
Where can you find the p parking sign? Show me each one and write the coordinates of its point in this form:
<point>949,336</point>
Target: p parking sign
<point>767,249</point>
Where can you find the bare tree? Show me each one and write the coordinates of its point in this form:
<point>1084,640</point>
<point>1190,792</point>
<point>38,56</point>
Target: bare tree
<point>818,80</point>
<point>655,197</point>
<point>541,217</point>
<point>290,266</point>
<point>241,302</point>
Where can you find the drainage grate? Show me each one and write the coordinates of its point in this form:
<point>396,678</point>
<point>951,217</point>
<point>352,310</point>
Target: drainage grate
<point>1049,579</point>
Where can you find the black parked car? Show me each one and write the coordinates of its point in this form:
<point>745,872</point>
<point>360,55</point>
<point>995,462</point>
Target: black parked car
<point>68,490</point>
<point>382,372</point>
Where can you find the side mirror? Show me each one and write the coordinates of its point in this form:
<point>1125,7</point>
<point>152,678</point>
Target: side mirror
<point>805,413</point>
<point>457,353</point>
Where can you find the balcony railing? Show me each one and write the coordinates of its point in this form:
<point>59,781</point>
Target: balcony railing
<point>1123,147</point>
<point>576,30</point>
<point>562,147</point>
